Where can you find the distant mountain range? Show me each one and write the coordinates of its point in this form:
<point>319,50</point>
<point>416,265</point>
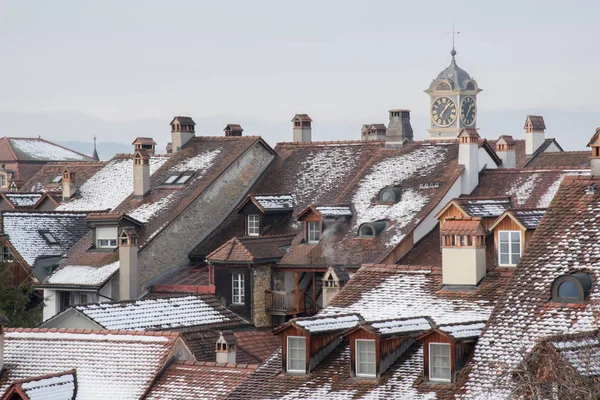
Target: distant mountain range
<point>75,130</point>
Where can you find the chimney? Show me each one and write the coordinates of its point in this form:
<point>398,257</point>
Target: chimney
<point>226,348</point>
<point>373,132</point>
<point>505,148</point>
<point>141,173</point>
<point>534,133</point>
<point>468,152</point>
<point>333,281</point>
<point>68,184</point>
<point>302,128</point>
<point>399,130</point>
<point>463,252</point>
<point>145,144</point>
<point>128,265</point>
<point>182,131</point>
<point>233,130</point>
<point>594,143</point>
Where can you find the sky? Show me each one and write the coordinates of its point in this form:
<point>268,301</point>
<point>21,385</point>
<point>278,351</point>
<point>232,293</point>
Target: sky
<point>342,62</point>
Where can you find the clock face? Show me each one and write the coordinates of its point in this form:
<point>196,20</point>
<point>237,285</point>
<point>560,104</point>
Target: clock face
<point>443,111</point>
<point>468,111</point>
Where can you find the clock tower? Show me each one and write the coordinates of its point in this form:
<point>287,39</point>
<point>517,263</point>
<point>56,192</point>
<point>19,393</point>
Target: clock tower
<point>453,102</point>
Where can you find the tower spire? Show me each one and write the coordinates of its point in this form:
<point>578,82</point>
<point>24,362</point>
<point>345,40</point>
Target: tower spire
<point>453,33</point>
<point>95,153</point>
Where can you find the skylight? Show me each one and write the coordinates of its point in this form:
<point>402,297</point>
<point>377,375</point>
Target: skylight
<point>178,179</point>
<point>170,180</point>
<point>183,179</point>
<point>48,237</point>
<point>57,179</point>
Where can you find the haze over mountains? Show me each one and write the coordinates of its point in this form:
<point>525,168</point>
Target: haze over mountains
<point>76,130</point>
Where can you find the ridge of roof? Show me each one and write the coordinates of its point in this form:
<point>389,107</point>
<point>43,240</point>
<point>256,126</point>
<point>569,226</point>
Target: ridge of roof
<point>215,364</point>
<point>44,376</point>
<point>534,169</point>
<point>170,334</point>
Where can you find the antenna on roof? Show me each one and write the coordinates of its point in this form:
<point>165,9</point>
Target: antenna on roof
<point>453,33</point>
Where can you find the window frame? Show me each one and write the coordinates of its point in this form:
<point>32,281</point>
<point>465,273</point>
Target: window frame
<point>357,360</point>
<point>48,237</point>
<point>317,231</point>
<point>238,281</point>
<point>7,255</point>
<point>101,234</point>
<point>510,253</point>
<point>288,358</point>
<point>431,362</point>
<point>249,225</point>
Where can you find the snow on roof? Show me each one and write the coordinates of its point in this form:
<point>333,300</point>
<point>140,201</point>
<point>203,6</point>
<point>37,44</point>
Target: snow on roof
<point>23,200</point>
<point>395,171</point>
<point>198,164</point>
<point>275,202</point>
<point>110,366</point>
<point>108,187</point>
<point>42,150</point>
<point>23,230</point>
<point>328,323</point>
<point>408,325</point>
<point>529,218</point>
<point>464,331</point>
<point>334,211</point>
<point>485,208</point>
<point>57,387</point>
<point>83,275</point>
<point>162,313</point>
<point>582,353</point>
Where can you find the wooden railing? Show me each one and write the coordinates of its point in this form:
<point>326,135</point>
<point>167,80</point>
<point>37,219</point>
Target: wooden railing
<point>291,302</point>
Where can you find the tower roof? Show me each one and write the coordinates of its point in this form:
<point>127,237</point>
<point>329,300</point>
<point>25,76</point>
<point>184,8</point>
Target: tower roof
<point>457,76</point>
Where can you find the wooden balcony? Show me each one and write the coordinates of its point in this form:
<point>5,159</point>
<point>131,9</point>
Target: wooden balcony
<point>284,303</point>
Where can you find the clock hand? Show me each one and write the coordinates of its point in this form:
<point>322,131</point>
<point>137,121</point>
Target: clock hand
<point>444,110</point>
<point>469,109</point>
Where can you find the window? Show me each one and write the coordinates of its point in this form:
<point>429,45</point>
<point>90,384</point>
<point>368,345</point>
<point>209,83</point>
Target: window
<point>48,237</point>
<point>2,180</point>
<point>183,179</point>
<point>314,232</point>
<point>6,255</point>
<point>238,290</point>
<point>253,225</point>
<point>371,229</point>
<point>366,231</point>
<point>571,288</point>
<point>510,247</point>
<point>170,180</point>
<point>365,358</point>
<point>84,298</point>
<point>390,194</point>
<point>296,354</point>
<point>57,179</point>
<point>439,362</point>
<point>106,237</point>
<point>65,300</point>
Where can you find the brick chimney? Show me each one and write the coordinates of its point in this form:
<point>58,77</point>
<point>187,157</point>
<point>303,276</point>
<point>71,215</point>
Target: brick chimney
<point>233,130</point>
<point>535,135</point>
<point>146,144</point>
<point>68,184</point>
<point>226,347</point>
<point>463,252</point>
<point>506,150</point>
<point>399,131</point>
<point>141,173</point>
<point>128,265</point>
<point>468,156</point>
<point>594,143</point>
<point>182,131</point>
<point>302,128</point>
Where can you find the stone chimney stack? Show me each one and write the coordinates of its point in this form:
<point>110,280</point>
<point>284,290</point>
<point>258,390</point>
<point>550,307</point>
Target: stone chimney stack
<point>302,128</point>
<point>145,144</point>
<point>535,135</point>
<point>399,130</point>
<point>129,274</point>
<point>226,348</point>
<point>506,150</point>
<point>594,143</point>
<point>141,173</point>
<point>468,157</point>
<point>68,184</point>
<point>233,130</point>
<point>463,251</point>
<point>182,131</point>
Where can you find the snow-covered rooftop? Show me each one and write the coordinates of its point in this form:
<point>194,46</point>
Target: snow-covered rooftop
<point>485,208</point>
<point>55,387</point>
<point>529,218</point>
<point>464,331</point>
<point>275,202</point>
<point>329,323</point>
<point>81,275</point>
<point>409,325</point>
<point>36,149</point>
<point>23,199</point>
<point>334,211</point>
<point>162,313</point>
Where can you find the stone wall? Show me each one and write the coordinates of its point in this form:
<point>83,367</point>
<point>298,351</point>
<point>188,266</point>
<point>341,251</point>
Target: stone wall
<point>261,279</point>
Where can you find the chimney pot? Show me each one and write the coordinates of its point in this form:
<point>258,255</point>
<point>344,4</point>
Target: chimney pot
<point>226,347</point>
<point>535,135</point>
<point>141,173</point>
<point>68,184</point>
<point>399,130</point>
<point>182,131</point>
<point>233,130</point>
<point>302,128</point>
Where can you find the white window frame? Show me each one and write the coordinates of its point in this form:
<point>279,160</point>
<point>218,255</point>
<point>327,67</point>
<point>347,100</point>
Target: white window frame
<point>106,239</point>
<point>289,358</point>
<point>237,282</point>
<point>253,225</point>
<point>431,378</point>
<point>510,253</point>
<point>316,231</point>
<point>358,361</point>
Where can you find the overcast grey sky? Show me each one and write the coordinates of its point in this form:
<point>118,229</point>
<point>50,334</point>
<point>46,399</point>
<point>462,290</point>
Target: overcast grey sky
<point>266,60</point>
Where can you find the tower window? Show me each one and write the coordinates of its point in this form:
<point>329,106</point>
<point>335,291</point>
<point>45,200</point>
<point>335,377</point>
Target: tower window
<point>470,86</point>
<point>443,86</point>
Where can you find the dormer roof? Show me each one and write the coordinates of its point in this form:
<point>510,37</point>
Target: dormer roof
<point>527,219</point>
<point>326,212</point>
<point>319,325</point>
<point>269,203</point>
<point>536,122</point>
<point>463,227</point>
<point>144,141</point>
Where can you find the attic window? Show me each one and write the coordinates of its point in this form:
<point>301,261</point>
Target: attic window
<point>313,231</point>
<point>390,194</point>
<point>371,229</point>
<point>178,179</point>
<point>572,288</point>
<point>591,189</point>
<point>2,180</point>
<point>48,237</point>
<point>170,180</point>
<point>57,179</point>
<point>296,354</point>
<point>439,362</point>
<point>365,358</point>
<point>183,179</point>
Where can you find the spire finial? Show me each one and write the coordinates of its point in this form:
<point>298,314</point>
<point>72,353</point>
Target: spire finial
<point>453,33</point>
<point>95,153</point>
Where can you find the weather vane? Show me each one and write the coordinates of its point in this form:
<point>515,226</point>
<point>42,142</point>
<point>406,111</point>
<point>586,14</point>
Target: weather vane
<point>453,33</point>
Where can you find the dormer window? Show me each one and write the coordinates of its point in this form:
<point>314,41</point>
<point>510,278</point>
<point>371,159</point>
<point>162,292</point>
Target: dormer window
<point>572,288</point>
<point>439,362</point>
<point>509,251</point>
<point>3,180</point>
<point>390,195</point>
<point>48,237</point>
<point>106,237</point>
<point>296,354</point>
<point>365,358</point>
<point>371,229</point>
<point>313,231</point>
<point>253,225</point>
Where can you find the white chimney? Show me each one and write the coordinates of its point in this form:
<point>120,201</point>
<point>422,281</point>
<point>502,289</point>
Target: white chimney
<point>333,281</point>
<point>463,252</point>
<point>128,265</point>
<point>68,184</point>
<point>594,143</point>
<point>141,173</point>
<point>468,156</point>
<point>506,150</point>
<point>182,131</point>
<point>226,348</point>
<point>534,133</point>
<point>302,128</point>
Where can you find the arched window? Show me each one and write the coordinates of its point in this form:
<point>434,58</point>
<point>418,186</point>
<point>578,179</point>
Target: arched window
<point>371,229</point>
<point>470,86</point>
<point>366,231</point>
<point>571,288</point>
<point>443,86</point>
<point>390,194</point>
